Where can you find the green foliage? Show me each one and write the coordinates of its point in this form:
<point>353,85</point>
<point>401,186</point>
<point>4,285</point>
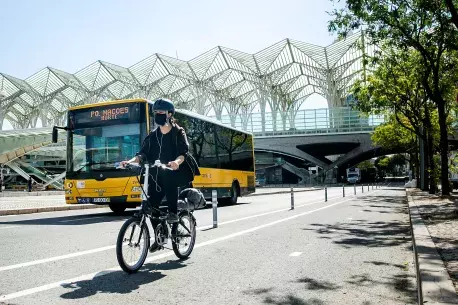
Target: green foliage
<point>393,137</point>
<point>364,165</point>
<point>388,163</point>
<point>427,28</point>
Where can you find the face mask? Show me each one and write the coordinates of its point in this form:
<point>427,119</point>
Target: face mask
<point>160,119</point>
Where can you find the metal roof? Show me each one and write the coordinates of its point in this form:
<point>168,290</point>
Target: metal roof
<point>283,75</point>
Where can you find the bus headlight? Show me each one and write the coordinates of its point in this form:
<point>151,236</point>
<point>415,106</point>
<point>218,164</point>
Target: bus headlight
<point>136,189</point>
<point>69,185</point>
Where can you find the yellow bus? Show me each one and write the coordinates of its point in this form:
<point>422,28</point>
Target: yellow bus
<point>101,135</point>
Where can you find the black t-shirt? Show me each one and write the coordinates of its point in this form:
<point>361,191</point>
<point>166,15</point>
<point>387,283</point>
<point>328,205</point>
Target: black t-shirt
<point>166,150</point>
<point>169,149</point>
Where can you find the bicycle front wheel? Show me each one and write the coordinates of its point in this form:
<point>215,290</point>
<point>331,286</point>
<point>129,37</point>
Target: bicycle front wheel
<point>132,245</point>
<point>184,236</point>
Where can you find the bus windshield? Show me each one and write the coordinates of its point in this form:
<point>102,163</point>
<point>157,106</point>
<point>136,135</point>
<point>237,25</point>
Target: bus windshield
<point>103,147</point>
<point>102,136</point>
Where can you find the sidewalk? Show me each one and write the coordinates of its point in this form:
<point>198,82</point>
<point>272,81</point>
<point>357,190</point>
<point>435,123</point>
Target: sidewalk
<point>31,204</point>
<point>26,194</point>
<point>435,229</point>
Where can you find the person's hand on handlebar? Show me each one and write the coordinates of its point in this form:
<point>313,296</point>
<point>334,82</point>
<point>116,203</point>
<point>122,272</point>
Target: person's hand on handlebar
<point>133,160</point>
<point>173,164</point>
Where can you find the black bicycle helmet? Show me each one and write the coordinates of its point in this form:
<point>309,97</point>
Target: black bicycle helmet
<point>163,104</point>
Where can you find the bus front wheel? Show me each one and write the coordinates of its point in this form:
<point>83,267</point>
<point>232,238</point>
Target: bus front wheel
<point>117,208</point>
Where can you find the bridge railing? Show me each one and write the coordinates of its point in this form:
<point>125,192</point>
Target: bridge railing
<point>309,121</point>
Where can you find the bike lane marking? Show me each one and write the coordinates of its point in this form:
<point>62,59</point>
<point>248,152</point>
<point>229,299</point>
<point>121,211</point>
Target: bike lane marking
<point>96,250</point>
<point>90,276</point>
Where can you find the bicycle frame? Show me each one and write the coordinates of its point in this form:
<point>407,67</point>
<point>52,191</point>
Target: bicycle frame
<point>145,198</point>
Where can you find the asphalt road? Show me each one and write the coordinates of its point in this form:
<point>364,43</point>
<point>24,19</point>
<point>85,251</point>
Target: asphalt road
<point>352,250</point>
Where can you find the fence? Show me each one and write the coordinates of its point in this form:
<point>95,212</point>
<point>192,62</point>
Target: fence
<point>309,121</point>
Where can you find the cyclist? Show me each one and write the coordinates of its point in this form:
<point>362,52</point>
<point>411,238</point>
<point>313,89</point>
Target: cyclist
<point>169,144</point>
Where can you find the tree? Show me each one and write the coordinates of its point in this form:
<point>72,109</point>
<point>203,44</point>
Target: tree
<point>393,137</point>
<point>453,7</point>
<point>395,87</point>
<point>364,165</point>
<point>424,26</point>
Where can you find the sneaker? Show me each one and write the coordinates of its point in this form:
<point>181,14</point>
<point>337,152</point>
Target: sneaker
<point>172,218</point>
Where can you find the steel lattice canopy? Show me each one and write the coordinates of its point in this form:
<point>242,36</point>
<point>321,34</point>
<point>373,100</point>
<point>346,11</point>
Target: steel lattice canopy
<point>285,74</point>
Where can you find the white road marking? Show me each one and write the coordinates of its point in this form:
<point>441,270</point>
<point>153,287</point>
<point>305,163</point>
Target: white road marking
<point>10,227</point>
<point>85,218</point>
<point>56,258</point>
<point>90,276</point>
<point>295,254</point>
<point>257,215</point>
<point>76,254</point>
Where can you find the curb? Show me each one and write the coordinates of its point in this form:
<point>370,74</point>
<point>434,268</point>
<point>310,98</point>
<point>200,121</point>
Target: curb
<point>282,192</point>
<point>434,285</point>
<point>10,194</point>
<point>49,209</point>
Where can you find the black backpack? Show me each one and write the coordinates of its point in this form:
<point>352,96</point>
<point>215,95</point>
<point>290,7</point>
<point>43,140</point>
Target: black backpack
<point>189,168</point>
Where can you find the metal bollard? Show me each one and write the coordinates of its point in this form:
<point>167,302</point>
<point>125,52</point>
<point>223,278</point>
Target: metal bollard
<point>354,188</point>
<point>343,190</point>
<point>292,199</point>
<point>368,187</point>
<point>215,208</point>
<point>362,188</point>
<point>325,193</point>
<point>372,186</point>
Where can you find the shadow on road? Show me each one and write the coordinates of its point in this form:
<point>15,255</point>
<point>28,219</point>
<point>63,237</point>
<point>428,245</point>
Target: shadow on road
<point>402,282</point>
<point>364,233</point>
<point>75,220</point>
<point>87,219</point>
<point>312,284</point>
<point>119,281</point>
<point>273,296</point>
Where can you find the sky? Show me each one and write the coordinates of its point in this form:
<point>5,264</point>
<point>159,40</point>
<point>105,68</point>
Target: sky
<point>70,35</point>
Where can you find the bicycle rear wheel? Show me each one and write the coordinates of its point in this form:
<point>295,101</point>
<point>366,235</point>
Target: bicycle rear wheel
<point>132,245</point>
<point>184,236</point>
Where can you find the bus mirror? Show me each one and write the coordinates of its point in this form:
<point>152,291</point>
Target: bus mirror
<point>54,134</point>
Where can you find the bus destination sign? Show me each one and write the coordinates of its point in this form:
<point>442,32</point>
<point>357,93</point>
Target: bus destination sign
<point>110,114</point>
<point>113,114</point>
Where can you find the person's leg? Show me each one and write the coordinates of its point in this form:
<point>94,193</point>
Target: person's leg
<point>156,194</point>
<point>171,192</point>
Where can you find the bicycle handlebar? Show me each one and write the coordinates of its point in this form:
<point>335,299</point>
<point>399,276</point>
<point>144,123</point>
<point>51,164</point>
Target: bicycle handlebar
<point>157,164</point>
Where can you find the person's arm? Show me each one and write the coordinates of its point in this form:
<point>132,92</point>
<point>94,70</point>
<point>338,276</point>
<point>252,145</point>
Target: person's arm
<point>182,148</point>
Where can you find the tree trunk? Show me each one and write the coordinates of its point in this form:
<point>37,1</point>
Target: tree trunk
<point>425,173</point>
<point>443,147</point>
<point>432,166</point>
<point>430,152</point>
